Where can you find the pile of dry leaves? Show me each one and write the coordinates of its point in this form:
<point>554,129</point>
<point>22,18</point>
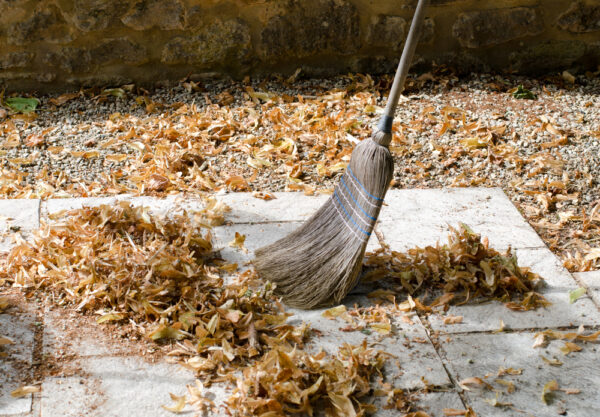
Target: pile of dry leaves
<point>129,266</point>
<point>466,264</point>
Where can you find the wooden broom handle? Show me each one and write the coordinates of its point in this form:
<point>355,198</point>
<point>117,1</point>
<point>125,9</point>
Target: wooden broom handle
<point>385,124</point>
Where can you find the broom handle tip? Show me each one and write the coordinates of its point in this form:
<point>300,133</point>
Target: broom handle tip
<point>403,66</point>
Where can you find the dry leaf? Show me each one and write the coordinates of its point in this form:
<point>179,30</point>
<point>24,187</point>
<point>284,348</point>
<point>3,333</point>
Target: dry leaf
<point>178,406</point>
<point>547,391</point>
<point>334,312</point>
<point>238,242</point>
<point>474,381</point>
<point>158,182</point>
<point>570,347</point>
<point>25,390</point>
<point>453,319</point>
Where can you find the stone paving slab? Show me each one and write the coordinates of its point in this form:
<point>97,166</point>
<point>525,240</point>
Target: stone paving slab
<point>478,355</point>
<point>114,387</point>
<point>17,216</point>
<point>17,366</point>
<point>487,316</point>
<point>420,217</point>
<point>287,207</point>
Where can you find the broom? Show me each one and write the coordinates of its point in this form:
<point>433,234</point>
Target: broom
<point>319,263</point>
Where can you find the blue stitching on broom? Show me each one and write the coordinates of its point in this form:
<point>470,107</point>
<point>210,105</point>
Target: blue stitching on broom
<point>356,202</point>
<point>362,186</point>
<point>349,216</point>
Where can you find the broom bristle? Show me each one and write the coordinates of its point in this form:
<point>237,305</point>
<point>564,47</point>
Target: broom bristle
<point>319,263</point>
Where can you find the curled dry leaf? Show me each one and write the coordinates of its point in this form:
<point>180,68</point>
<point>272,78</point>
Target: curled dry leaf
<point>452,412</point>
<point>238,242</point>
<point>548,391</point>
<point>25,390</point>
<point>474,381</point>
<point>178,406</point>
<point>263,195</point>
<point>453,319</point>
<point>334,312</point>
<point>157,182</point>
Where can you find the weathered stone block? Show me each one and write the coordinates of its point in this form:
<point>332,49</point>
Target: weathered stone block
<point>311,28</point>
<point>10,13</point>
<point>119,50</point>
<point>547,56</point>
<point>492,27</point>
<point>97,14</point>
<point>71,60</point>
<point>46,24</point>
<point>427,31</point>
<point>15,60</point>
<point>581,17</point>
<point>387,31</point>
<point>219,43</point>
<point>164,14</point>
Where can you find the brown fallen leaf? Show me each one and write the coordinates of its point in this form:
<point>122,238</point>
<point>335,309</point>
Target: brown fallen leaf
<point>547,391</point>
<point>570,347</point>
<point>451,412</point>
<point>334,312</point>
<point>571,391</point>
<point>63,98</point>
<point>474,381</point>
<point>238,242</point>
<point>263,195</point>
<point>453,319</point>
<point>34,140</point>
<point>178,406</point>
<point>25,390</point>
<point>552,362</point>
<point>509,371</point>
<point>158,182</point>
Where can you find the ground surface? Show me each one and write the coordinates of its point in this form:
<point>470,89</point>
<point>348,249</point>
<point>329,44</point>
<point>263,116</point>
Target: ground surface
<point>479,354</point>
<point>298,134</point>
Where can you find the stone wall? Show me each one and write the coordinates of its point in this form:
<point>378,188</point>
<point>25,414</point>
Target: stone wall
<point>56,44</point>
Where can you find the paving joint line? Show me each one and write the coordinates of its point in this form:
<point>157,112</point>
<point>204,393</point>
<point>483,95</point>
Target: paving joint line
<point>425,323</point>
<point>37,359</point>
<point>509,330</point>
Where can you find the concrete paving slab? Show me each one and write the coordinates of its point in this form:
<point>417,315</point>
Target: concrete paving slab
<point>114,386</point>
<point>544,263</point>
<point>487,316</point>
<point>257,236</point>
<point>286,207</point>
<point>16,367</point>
<point>413,358</point>
<point>421,217</point>
<point>17,216</point>
<point>481,355</point>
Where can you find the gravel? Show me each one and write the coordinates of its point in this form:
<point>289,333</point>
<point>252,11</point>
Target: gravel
<point>547,158</point>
